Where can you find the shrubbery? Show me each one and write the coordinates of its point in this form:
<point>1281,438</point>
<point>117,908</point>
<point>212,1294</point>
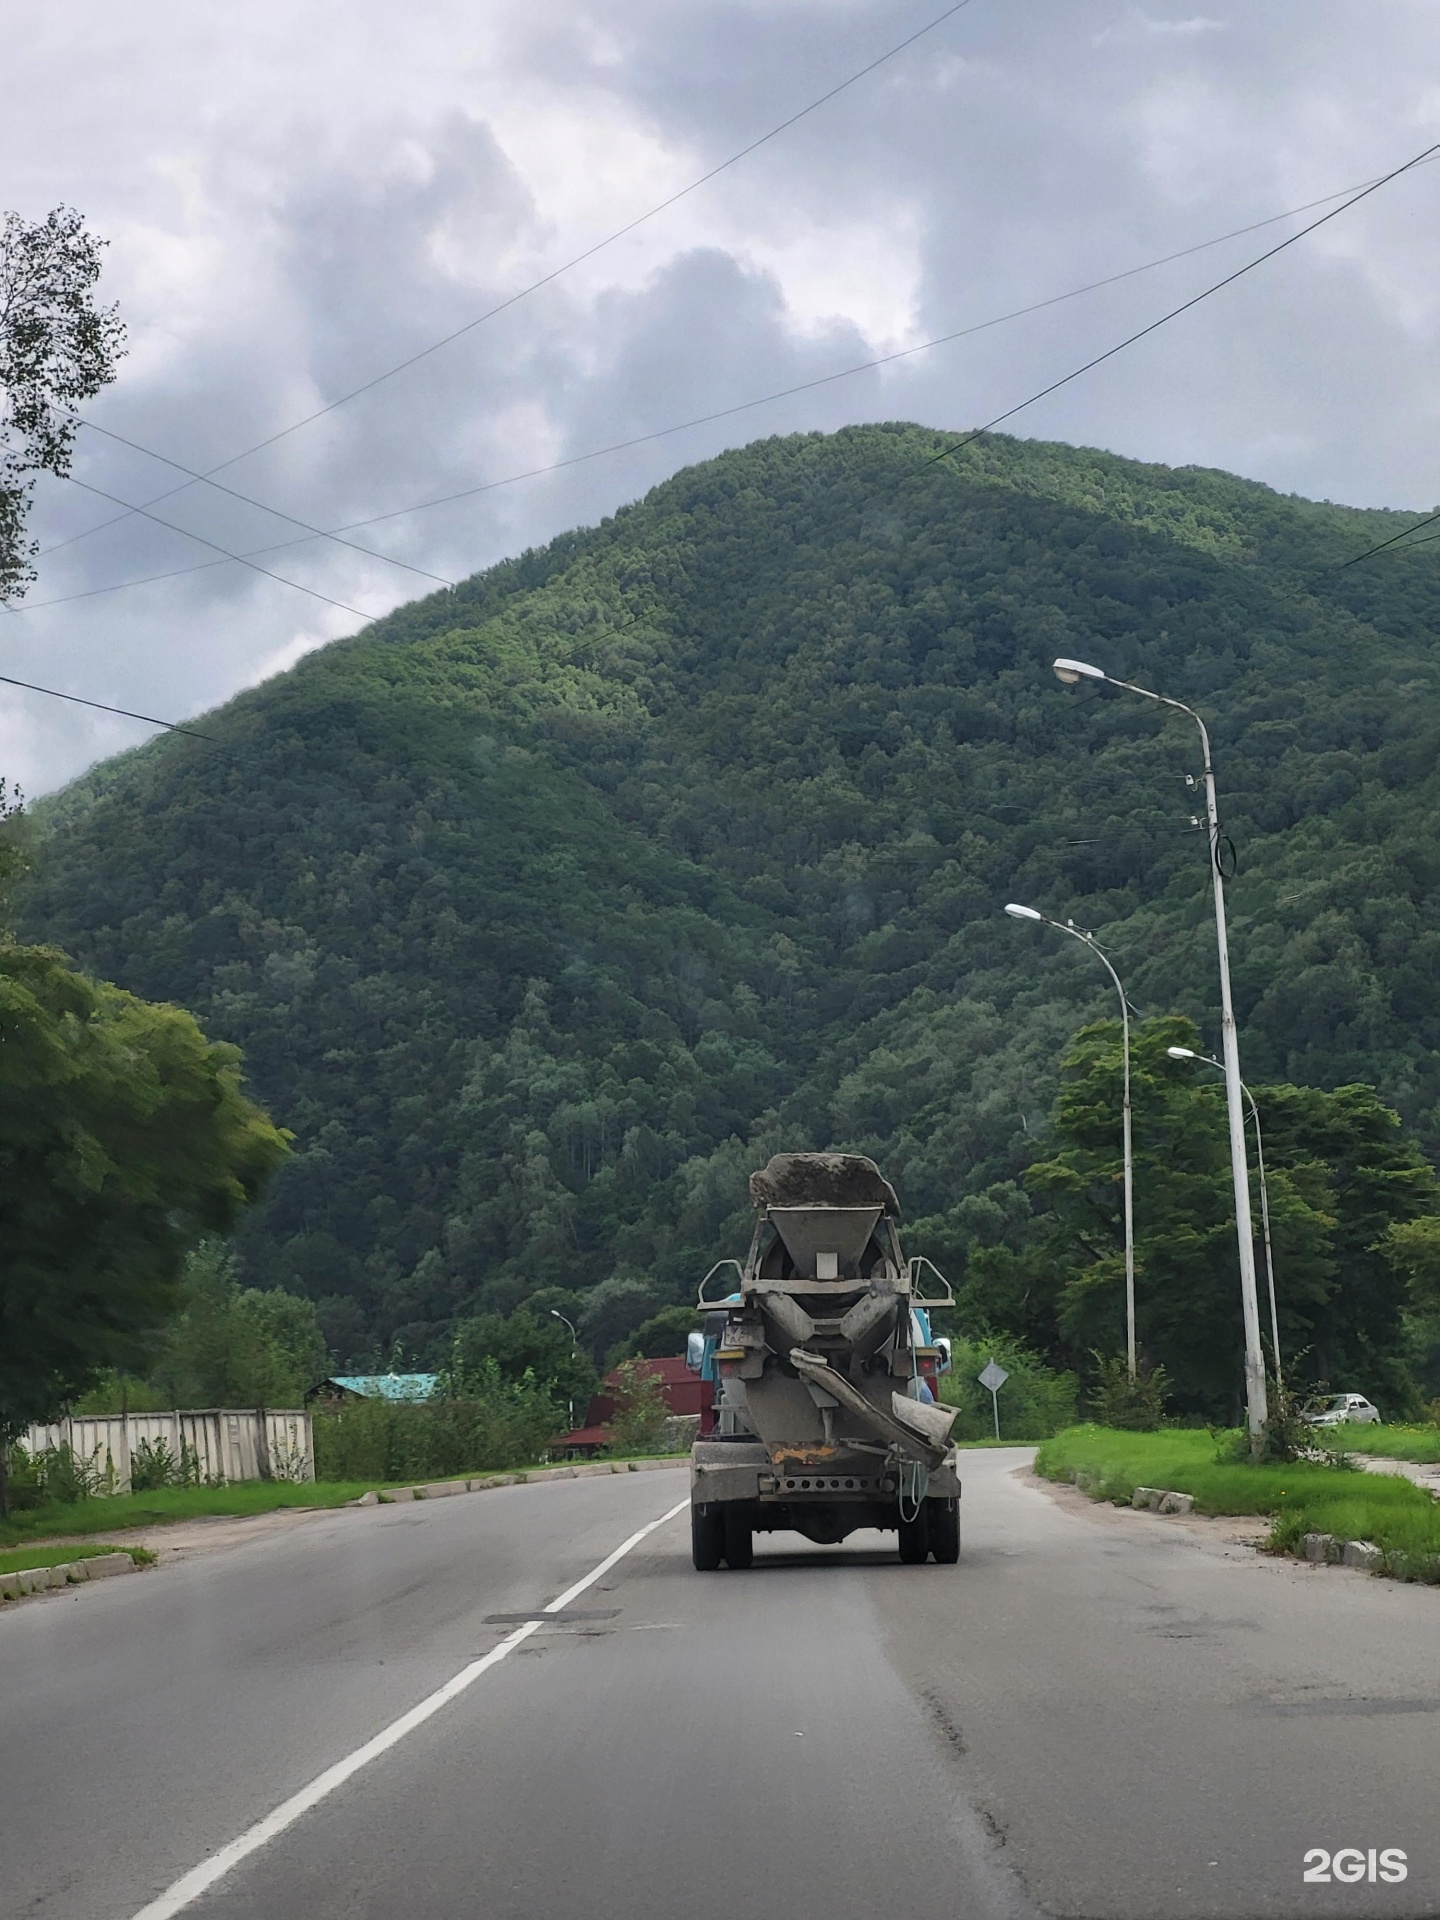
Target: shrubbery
<point>1034,1402</point>
<point>496,1424</point>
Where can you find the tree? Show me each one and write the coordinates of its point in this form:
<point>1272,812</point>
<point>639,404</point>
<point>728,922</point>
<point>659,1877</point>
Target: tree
<point>124,1139</point>
<point>640,1410</point>
<point>521,1345</point>
<point>57,348</point>
<point>660,1337</point>
<point>1341,1174</point>
<point>1414,1248</point>
<point>237,1347</point>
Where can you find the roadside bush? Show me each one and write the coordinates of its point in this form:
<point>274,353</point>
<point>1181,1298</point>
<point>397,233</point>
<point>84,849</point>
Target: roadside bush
<point>55,1476</point>
<point>496,1424</point>
<point>1136,1406</point>
<point>638,1425</point>
<point>153,1465</point>
<point>1035,1401</point>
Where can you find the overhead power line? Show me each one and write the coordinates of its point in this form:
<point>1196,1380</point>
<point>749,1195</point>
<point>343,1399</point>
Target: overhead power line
<point>1142,333</point>
<point>556,273</point>
<point>54,693</point>
<point>249,500</point>
<point>1381,546</point>
<point>215,547</point>
<point>698,420</point>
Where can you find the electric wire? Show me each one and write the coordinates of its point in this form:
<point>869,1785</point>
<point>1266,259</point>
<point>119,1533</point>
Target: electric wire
<point>682,426</point>
<point>946,453</point>
<point>319,533</point>
<point>146,514</point>
<point>1185,306</point>
<point>556,273</point>
<point>1382,546</point>
<point>54,693</point>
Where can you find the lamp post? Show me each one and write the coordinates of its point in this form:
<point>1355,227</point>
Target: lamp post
<point>1018,912</point>
<point>1072,672</point>
<point>1188,1053</point>
<point>555,1314</point>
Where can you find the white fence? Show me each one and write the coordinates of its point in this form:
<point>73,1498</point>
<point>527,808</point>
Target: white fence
<point>213,1445</point>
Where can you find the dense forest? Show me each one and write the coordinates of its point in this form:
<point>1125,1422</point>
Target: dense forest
<point>546,908</point>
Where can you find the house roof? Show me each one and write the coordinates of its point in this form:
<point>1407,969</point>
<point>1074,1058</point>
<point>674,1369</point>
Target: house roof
<point>384,1386</point>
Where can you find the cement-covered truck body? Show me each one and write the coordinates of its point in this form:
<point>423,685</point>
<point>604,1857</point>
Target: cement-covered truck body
<point>825,1416</point>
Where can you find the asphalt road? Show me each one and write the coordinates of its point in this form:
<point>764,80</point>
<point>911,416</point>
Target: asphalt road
<point>1094,1714</point>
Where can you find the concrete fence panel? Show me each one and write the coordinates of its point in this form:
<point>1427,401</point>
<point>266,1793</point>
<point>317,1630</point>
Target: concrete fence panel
<point>214,1445</point>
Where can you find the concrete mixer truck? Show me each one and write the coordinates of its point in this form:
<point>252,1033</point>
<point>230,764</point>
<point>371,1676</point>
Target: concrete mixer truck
<point>825,1416</point>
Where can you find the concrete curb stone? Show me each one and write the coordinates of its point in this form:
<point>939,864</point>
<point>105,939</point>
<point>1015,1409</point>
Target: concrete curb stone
<point>1364,1555</point>
<point>442,1489</point>
<point>16,1586</point>
<point>104,1564</point>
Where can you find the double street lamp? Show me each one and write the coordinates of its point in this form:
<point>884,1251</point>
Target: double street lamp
<point>1205,1059</point>
<point>1018,912</point>
<point>1072,672</point>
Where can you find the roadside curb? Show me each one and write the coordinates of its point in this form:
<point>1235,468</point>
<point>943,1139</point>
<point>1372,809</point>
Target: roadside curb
<point>444,1489</point>
<point>70,1573</point>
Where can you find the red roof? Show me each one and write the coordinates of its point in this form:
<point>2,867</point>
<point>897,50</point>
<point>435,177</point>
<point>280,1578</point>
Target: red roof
<point>684,1392</point>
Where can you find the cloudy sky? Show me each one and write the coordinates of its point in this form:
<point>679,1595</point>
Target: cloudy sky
<point>300,194</point>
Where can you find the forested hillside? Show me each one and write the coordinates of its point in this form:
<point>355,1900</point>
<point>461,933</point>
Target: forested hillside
<point>547,908</point>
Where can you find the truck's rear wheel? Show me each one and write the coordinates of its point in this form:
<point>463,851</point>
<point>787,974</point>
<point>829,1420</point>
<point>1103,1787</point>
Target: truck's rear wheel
<point>915,1538</point>
<point>707,1537</point>
<point>739,1540</point>
<point>944,1518</point>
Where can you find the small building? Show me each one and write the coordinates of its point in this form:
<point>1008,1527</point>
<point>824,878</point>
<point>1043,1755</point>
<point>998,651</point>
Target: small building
<point>339,1388</point>
<point>685,1394</point>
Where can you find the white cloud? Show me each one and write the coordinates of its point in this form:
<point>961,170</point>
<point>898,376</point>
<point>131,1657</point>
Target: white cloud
<point>300,198</point>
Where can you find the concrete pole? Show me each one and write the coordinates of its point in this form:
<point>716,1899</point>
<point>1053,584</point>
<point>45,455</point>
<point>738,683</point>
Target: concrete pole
<point>1189,1053</point>
<point>1265,1227</point>
<point>1257,1409</point>
<point>1256,1405</point>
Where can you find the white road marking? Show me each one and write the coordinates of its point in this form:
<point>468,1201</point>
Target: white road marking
<point>188,1888</point>
<point>574,1593</point>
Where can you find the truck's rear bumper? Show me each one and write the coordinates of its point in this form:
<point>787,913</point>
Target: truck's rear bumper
<point>725,1470</point>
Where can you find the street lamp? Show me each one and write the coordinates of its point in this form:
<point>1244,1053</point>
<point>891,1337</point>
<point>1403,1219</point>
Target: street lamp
<point>1018,912</point>
<point>1188,1053</point>
<point>1072,672</point>
<point>555,1314</point>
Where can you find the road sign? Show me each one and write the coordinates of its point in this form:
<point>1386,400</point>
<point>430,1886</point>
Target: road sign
<point>993,1376</point>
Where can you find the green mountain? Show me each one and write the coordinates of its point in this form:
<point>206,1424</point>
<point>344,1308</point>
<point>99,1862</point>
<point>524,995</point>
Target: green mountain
<point>545,908</point>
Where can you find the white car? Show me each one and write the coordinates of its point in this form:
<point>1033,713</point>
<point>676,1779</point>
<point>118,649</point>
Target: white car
<point>1345,1406</point>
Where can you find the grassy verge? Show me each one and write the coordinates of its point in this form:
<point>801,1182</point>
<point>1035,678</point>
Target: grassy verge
<point>1399,1517</point>
<point>19,1559</point>
<point>168,1504</point>
<point>1421,1444</point>
<point>172,1503</point>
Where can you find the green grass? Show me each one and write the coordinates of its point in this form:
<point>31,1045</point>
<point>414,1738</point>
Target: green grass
<point>168,1504</point>
<point>174,1503</point>
<point>19,1558</point>
<point>1421,1444</point>
<point>1299,1498</point>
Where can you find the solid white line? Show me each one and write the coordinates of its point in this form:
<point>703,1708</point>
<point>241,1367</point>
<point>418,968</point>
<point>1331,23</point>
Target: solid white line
<point>573,1593</point>
<point>188,1888</point>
